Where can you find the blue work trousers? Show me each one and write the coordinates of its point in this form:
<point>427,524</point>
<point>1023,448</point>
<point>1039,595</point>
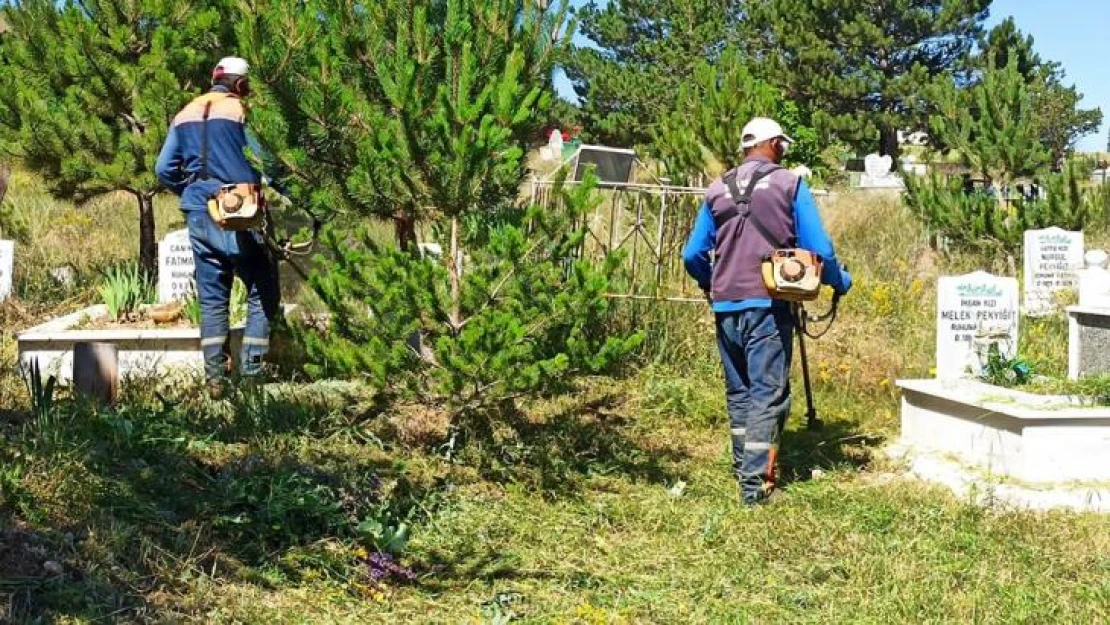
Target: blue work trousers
<point>219,256</point>
<point>756,347</point>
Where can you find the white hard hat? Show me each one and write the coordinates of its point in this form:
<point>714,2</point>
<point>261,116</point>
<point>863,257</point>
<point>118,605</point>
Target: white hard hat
<point>759,130</point>
<point>231,65</point>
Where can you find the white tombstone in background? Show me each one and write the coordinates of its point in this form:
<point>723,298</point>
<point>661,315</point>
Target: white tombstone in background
<point>877,173</point>
<point>7,267</point>
<point>802,171</point>
<point>1094,281</point>
<point>1051,257</point>
<point>175,267</point>
<point>974,305</point>
<point>553,151</point>
<point>555,142</point>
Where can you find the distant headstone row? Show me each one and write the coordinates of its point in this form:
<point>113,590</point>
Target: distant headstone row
<point>978,310</point>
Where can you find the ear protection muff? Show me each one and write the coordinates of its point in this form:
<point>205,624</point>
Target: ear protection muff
<point>242,86</point>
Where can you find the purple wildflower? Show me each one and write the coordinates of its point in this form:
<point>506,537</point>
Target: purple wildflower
<point>383,568</point>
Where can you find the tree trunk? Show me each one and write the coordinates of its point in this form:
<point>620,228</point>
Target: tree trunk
<point>455,269</point>
<point>888,144</point>
<point>404,228</point>
<point>148,246</point>
<point>5,172</point>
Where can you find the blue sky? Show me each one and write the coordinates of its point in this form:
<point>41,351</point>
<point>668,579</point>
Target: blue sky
<point>1072,32</point>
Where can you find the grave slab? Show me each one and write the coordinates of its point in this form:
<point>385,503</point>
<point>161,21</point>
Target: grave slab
<point>142,352</point>
<point>1042,451</point>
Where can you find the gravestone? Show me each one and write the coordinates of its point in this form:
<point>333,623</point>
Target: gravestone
<point>1094,281</point>
<point>1053,257</point>
<point>175,267</point>
<point>877,173</point>
<point>969,308</point>
<point>7,266</point>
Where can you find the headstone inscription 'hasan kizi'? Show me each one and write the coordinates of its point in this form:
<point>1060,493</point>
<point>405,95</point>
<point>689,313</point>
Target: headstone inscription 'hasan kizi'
<point>971,308</point>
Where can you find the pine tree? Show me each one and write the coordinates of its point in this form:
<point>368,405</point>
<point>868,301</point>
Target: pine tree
<point>420,112</point>
<point>403,109</point>
<point>992,123</point>
<point>995,125</point>
<point>1061,121</point>
<point>90,87</point>
<point>711,110</point>
<point>533,317</point>
<point>860,64</point>
<point>642,52</point>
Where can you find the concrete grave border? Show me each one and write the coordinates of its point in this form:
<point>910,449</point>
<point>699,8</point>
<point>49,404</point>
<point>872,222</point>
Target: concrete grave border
<point>1026,450</point>
<point>142,352</point>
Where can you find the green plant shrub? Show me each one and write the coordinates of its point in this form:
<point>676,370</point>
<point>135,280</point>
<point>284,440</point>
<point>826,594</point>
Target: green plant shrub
<point>976,221</point>
<point>1003,371</point>
<point>124,289</point>
<point>190,305</point>
<point>190,308</point>
<point>525,317</point>
<point>270,509</point>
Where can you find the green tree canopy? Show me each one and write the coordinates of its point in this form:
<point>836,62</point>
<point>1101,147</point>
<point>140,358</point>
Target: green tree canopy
<point>399,109</point>
<point>643,52</point>
<point>1060,120</point>
<point>421,111</point>
<point>89,89</point>
<point>992,123</point>
<point>711,110</point>
<point>861,65</point>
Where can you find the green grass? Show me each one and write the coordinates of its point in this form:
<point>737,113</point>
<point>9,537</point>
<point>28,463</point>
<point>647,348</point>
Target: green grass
<point>613,504</point>
<point>245,513</point>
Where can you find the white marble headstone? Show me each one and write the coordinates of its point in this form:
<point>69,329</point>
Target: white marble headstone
<point>175,266</point>
<point>877,166</point>
<point>553,151</point>
<point>968,306</point>
<point>1052,258</point>
<point>1094,281</point>
<point>877,173</point>
<point>7,267</point>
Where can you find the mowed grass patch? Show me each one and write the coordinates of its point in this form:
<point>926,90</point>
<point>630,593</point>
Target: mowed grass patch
<point>849,547</point>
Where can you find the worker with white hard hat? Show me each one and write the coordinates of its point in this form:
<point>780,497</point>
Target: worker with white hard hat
<point>203,162</point>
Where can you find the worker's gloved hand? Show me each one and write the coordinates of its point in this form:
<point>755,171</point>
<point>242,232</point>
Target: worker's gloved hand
<point>846,282</point>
